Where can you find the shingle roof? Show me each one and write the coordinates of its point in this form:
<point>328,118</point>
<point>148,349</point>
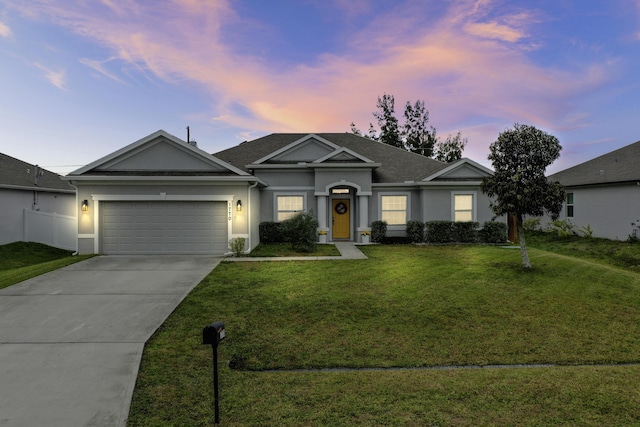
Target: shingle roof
<point>16,173</point>
<point>622,165</point>
<point>397,165</point>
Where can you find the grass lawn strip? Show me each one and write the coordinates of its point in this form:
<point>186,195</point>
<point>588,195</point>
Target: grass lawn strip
<point>405,306</point>
<point>20,261</point>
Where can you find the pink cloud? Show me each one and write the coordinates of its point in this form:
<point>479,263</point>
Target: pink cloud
<point>56,78</point>
<point>469,63</point>
<point>5,31</point>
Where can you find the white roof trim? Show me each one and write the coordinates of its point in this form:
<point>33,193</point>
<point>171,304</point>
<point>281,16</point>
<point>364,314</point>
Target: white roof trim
<point>160,133</point>
<point>423,184</point>
<point>295,143</point>
<point>39,189</point>
<point>165,178</point>
<point>456,165</point>
<point>340,151</point>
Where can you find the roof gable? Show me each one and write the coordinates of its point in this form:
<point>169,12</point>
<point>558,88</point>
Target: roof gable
<point>306,149</point>
<point>343,155</point>
<point>159,153</point>
<point>462,170</point>
<point>389,164</point>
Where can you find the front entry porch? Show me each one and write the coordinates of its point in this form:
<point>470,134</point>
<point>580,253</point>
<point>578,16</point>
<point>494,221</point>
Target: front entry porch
<point>343,215</point>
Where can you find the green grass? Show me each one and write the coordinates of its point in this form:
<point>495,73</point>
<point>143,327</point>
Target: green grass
<point>619,253</point>
<point>23,260</point>
<point>406,306</point>
<point>285,250</point>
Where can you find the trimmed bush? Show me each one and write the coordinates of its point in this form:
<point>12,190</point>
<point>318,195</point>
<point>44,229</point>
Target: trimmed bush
<point>466,232</point>
<point>494,232</point>
<point>378,231</point>
<point>236,246</point>
<point>440,231</point>
<point>271,232</point>
<point>532,224</point>
<point>301,232</point>
<point>415,231</point>
<point>563,228</point>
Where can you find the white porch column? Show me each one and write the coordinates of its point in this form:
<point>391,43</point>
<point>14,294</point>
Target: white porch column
<point>363,220</point>
<point>323,228</point>
<point>363,208</point>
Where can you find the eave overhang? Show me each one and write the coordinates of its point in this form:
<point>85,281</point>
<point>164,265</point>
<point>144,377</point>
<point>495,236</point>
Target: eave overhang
<point>153,179</point>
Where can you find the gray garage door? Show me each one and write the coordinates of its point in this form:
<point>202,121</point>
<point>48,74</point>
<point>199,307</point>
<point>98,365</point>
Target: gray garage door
<point>164,227</point>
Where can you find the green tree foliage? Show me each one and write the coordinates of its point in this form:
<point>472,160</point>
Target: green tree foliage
<point>418,137</point>
<point>388,123</point>
<point>451,148</point>
<point>415,135</point>
<point>520,157</point>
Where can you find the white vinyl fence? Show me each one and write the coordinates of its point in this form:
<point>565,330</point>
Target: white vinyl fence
<point>51,229</point>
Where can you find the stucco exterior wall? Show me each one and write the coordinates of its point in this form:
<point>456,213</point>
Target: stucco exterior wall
<point>286,178</point>
<point>608,210</point>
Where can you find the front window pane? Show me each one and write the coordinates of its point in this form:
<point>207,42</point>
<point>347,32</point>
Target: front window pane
<point>570,205</point>
<point>394,209</point>
<point>289,206</point>
<point>463,207</point>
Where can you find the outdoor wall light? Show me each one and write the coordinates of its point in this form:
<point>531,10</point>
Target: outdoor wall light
<point>85,206</point>
<point>239,205</point>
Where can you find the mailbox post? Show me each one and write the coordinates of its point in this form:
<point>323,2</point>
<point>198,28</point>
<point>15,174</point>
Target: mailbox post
<point>213,334</point>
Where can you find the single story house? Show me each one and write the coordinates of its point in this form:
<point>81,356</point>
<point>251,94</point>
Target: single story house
<point>164,195</point>
<point>30,188</point>
<point>604,193</point>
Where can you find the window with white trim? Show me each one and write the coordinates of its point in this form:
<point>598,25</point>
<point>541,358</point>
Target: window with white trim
<point>569,205</point>
<point>394,209</point>
<point>288,206</point>
<point>463,207</point>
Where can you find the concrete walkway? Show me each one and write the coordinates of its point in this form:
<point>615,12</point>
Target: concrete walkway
<point>348,250</point>
<point>71,340</point>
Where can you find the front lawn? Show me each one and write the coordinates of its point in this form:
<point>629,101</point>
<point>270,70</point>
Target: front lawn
<point>23,260</point>
<point>285,250</point>
<point>404,307</point>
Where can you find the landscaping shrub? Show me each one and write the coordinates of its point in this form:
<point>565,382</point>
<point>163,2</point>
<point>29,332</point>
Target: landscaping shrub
<point>562,228</point>
<point>415,231</point>
<point>271,232</point>
<point>494,232</point>
<point>532,224</point>
<point>378,231</point>
<point>236,246</point>
<point>440,232</point>
<point>301,232</point>
<point>466,232</point>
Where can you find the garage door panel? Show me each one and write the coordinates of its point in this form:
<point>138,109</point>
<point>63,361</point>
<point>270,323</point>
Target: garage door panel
<point>164,227</point>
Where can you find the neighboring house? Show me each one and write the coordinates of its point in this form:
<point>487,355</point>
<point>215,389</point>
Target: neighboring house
<point>28,189</point>
<point>162,195</point>
<point>604,193</point>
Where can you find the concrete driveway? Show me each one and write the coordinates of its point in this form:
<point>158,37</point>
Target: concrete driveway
<point>71,340</point>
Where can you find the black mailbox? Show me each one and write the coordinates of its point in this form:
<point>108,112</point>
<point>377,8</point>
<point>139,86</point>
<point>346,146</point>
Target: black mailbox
<point>213,333</point>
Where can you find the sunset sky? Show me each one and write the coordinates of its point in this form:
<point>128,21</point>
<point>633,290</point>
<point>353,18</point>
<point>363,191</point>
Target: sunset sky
<point>80,79</point>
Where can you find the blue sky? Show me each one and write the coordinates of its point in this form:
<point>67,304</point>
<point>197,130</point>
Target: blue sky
<point>82,79</point>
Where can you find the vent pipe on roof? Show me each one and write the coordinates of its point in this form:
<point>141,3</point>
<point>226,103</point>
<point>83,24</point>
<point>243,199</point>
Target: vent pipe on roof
<point>189,141</point>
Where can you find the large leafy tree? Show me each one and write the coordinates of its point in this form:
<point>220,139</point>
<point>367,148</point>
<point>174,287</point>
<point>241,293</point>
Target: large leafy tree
<point>451,148</point>
<point>520,157</point>
<point>389,128</point>
<point>418,137</point>
<point>415,135</point>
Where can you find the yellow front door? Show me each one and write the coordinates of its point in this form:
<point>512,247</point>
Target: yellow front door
<point>341,218</point>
